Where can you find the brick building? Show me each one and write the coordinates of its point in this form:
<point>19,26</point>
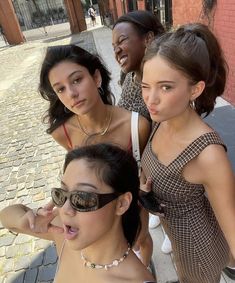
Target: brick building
<point>220,17</point>
<point>218,14</point>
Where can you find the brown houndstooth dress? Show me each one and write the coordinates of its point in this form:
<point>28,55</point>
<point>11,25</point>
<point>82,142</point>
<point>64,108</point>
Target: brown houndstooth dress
<point>199,247</point>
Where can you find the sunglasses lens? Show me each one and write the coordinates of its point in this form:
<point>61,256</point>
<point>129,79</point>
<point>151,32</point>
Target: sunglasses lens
<point>58,197</point>
<point>84,201</point>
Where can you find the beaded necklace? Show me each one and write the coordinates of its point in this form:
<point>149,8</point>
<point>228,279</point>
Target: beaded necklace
<point>115,262</point>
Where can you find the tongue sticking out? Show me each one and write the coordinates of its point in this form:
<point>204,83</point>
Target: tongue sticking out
<point>70,232</point>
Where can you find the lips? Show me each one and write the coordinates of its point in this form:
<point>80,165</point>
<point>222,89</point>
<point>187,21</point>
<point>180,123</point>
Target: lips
<point>70,232</point>
<point>152,111</point>
<point>78,103</point>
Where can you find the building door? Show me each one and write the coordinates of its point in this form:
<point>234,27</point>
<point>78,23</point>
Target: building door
<point>162,9</point>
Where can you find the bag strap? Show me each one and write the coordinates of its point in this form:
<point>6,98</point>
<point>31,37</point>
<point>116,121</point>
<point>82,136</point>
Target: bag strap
<point>135,138</point>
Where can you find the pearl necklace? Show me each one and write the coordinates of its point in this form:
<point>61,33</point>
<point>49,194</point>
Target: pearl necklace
<point>102,132</point>
<point>115,262</point>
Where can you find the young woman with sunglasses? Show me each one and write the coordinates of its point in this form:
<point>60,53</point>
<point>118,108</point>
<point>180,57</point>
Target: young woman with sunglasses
<point>76,84</point>
<point>98,206</point>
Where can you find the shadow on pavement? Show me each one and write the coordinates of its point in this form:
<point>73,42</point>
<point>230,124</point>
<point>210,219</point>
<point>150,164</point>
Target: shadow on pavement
<point>38,268</point>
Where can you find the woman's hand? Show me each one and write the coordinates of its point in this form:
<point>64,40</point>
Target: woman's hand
<point>41,220</point>
<point>148,200</point>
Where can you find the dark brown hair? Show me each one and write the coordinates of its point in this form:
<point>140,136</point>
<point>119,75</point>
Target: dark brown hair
<point>56,115</point>
<point>118,169</point>
<point>142,21</point>
<point>194,50</point>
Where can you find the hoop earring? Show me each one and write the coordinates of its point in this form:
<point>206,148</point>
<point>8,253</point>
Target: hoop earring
<point>66,110</point>
<point>101,91</point>
<point>192,104</point>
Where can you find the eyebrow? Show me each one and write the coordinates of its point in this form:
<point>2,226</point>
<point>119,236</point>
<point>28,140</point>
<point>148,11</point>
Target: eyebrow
<point>81,184</point>
<point>160,82</point>
<point>70,75</point>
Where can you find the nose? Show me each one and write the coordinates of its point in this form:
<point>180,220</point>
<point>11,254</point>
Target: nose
<point>67,208</point>
<point>152,98</point>
<point>72,92</point>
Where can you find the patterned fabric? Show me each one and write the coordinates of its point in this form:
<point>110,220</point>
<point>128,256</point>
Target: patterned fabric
<point>131,97</point>
<point>199,247</point>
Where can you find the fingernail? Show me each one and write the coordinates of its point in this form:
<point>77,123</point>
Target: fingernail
<point>32,226</point>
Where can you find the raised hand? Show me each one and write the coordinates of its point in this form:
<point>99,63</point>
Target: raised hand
<point>40,221</point>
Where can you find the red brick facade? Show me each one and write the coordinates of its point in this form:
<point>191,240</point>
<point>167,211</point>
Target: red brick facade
<point>224,27</point>
<point>186,11</point>
<point>222,22</point>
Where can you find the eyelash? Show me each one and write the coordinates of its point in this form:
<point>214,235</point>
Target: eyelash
<point>166,87</point>
<point>75,81</point>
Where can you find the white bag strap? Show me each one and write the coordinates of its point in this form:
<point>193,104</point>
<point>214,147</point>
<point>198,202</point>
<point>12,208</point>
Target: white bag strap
<point>135,138</point>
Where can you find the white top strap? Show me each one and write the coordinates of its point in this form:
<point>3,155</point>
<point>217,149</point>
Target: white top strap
<point>135,137</point>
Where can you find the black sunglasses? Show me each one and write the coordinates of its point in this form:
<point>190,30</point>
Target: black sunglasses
<point>80,200</point>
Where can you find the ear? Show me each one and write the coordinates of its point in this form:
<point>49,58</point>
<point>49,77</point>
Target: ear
<point>197,90</point>
<point>123,203</point>
<point>97,78</point>
<point>149,38</point>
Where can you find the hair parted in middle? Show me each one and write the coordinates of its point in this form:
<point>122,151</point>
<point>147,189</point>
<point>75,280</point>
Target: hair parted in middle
<point>56,115</point>
<point>118,169</point>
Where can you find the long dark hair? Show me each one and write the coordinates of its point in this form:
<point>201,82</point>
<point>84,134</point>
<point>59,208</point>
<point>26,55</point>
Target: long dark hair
<point>143,22</point>
<point>56,115</point>
<point>118,169</point>
<point>194,50</point>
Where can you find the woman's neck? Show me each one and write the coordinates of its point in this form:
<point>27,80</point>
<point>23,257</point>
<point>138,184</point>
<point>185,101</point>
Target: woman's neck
<point>183,124</point>
<point>106,251</point>
<point>96,120</point>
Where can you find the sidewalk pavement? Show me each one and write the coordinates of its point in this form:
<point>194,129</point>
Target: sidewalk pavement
<point>30,161</point>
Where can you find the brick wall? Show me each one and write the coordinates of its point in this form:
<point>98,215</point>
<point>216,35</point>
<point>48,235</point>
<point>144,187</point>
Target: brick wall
<point>224,28</point>
<point>185,11</point>
<point>141,4</point>
<point>223,25</point>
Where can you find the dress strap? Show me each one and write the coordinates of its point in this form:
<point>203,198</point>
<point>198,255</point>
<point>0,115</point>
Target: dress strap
<point>67,136</point>
<point>59,259</point>
<point>155,126</point>
<point>195,148</point>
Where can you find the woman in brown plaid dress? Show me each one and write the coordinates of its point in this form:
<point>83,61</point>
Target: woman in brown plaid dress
<point>183,73</point>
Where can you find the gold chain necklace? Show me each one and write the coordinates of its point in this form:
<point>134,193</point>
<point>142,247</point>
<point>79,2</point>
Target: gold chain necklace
<point>102,132</point>
<point>115,262</point>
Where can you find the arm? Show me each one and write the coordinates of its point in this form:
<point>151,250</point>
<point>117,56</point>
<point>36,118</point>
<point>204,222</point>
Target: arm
<point>21,219</point>
<point>218,180</point>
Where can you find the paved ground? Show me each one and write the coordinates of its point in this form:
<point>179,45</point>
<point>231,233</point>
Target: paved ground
<point>30,160</point>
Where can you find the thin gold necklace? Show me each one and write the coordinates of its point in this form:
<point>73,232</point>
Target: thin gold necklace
<point>102,132</point>
<point>115,262</point>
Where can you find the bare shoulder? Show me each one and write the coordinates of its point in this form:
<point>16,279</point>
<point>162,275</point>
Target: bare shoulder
<point>61,134</point>
<point>213,163</point>
<point>121,113</point>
